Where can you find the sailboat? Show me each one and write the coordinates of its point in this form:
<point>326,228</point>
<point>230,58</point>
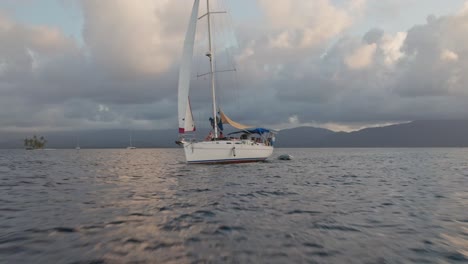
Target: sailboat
<point>77,143</point>
<point>131,142</point>
<point>254,144</point>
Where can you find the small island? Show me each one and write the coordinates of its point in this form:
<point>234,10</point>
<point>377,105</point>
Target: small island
<point>35,143</point>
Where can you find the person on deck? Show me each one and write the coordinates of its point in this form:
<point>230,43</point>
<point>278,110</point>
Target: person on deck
<point>209,137</point>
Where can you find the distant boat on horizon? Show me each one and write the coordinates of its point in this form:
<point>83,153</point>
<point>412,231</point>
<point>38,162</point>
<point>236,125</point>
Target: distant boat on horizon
<point>77,143</point>
<point>131,142</point>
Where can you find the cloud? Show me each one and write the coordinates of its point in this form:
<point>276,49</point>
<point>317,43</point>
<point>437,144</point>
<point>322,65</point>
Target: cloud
<point>464,9</point>
<point>391,47</point>
<point>362,57</point>
<point>305,24</point>
<point>448,56</point>
<point>301,63</point>
<point>436,58</point>
<point>294,120</point>
<point>23,47</point>
<point>379,78</point>
<point>133,39</point>
<point>46,76</point>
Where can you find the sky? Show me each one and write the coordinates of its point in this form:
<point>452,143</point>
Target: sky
<point>343,65</point>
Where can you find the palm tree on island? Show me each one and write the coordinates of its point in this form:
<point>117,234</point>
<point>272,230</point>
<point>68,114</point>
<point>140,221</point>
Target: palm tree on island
<point>35,143</point>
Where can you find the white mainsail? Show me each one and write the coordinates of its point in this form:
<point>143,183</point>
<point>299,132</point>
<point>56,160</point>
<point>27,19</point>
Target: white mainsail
<point>186,123</point>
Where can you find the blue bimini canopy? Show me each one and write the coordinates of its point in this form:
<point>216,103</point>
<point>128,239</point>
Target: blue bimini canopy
<point>252,131</point>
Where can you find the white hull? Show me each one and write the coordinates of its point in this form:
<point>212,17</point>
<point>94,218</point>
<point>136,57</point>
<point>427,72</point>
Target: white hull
<point>240,151</point>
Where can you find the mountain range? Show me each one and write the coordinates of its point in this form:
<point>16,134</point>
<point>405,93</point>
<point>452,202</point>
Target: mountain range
<point>431,133</point>
<point>440,133</point>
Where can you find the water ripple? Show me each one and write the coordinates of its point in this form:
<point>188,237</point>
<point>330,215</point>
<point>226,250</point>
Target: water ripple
<point>148,206</point>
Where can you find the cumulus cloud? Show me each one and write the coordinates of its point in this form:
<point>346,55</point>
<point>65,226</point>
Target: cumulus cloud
<point>133,38</point>
<point>464,9</point>
<point>294,120</point>
<point>301,64</point>
<point>302,24</point>
<point>391,47</point>
<point>448,55</point>
<point>45,75</point>
<point>22,47</point>
<point>362,57</point>
<point>436,59</point>
<point>379,78</point>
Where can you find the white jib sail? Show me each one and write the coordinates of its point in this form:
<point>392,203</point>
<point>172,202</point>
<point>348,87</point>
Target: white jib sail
<point>186,123</point>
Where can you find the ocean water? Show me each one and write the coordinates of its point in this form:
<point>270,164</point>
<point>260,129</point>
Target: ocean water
<point>147,206</point>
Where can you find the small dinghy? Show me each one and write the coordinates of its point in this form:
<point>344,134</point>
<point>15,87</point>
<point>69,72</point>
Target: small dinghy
<point>285,157</point>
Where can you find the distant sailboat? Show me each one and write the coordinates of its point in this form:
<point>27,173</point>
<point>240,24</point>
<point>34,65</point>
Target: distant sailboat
<point>131,142</point>
<point>254,144</point>
<point>77,143</point>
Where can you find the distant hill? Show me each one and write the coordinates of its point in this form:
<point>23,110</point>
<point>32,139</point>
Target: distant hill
<point>442,133</point>
<point>302,136</point>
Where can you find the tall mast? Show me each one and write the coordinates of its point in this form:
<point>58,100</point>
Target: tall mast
<point>212,70</point>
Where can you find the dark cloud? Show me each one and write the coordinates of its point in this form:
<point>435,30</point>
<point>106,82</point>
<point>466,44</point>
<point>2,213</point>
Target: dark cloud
<point>436,59</point>
<point>373,36</point>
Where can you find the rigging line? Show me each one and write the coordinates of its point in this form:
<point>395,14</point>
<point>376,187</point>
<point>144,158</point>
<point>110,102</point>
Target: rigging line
<point>196,61</point>
<point>220,71</point>
<point>236,46</point>
<point>231,25</point>
<point>236,88</point>
<point>200,38</point>
<point>230,57</point>
<point>216,53</point>
<point>211,13</point>
<point>227,50</point>
<point>226,54</point>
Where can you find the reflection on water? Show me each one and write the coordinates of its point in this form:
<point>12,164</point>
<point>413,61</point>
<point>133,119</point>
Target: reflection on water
<point>327,205</point>
<point>458,239</point>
